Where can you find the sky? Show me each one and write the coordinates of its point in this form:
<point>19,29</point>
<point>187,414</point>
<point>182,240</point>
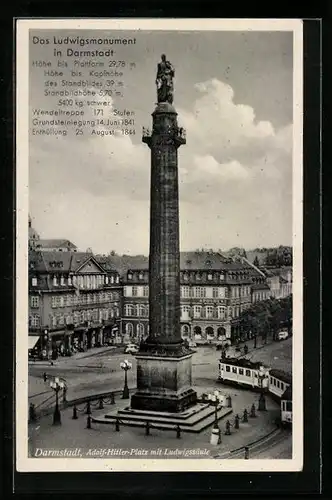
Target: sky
<point>233,95</point>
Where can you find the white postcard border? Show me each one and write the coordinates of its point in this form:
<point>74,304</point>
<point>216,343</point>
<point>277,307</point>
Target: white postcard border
<point>23,462</point>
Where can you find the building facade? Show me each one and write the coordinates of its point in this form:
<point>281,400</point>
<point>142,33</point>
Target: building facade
<point>279,281</point>
<point>74,303</point>
<point>214,292</point>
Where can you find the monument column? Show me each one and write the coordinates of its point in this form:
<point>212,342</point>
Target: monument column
<point>163,361</point>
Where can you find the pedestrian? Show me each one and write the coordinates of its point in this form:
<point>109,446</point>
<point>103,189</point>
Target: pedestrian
<point>246,453</point>
<point>237,422</point>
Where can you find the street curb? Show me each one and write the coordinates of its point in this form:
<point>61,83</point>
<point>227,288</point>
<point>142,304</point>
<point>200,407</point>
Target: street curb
<point>227,454</point>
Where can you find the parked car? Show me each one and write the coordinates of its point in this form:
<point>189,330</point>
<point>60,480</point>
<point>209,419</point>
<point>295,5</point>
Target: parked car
<point>131,349</point>
<point>283,335</point>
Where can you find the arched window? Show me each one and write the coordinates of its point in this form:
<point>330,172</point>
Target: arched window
<point>221,332</point>
<point>185,330</point>
<point>197,332</point>
<point>129,329</point>
<point>140,330</point>
<point>209,331</point>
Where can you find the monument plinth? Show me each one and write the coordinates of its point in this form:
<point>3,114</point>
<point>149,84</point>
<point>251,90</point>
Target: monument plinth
<point>163,360</point>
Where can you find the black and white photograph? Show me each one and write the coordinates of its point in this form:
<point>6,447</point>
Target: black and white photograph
<point>159,245</point>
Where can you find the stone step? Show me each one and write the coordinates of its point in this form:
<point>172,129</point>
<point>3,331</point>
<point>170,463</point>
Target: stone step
<point>188,422</point>
<point>197,427</point>
<point>183,415</point>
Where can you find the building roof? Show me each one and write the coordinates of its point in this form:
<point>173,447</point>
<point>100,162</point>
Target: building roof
<point>260,286</point>
<point>287,395</point>
<point>195,261</point>
<point>60,261</point>
<point>281,375</point>
<point>55,243</point>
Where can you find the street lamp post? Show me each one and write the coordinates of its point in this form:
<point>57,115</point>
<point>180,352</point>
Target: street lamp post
<point>216,399</point>
<point>261,376</point>
<point>125,365</point>
<point>56,385</point>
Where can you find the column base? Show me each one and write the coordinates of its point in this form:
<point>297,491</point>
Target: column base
<point>164,403</point>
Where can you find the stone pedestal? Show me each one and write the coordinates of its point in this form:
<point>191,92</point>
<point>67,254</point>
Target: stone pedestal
<point>164,382</point>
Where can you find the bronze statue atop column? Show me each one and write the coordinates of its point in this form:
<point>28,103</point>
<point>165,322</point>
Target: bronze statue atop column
<point>164,80</point>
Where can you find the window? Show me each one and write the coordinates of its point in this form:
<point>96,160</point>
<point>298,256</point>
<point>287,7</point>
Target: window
<point>141,310</point>
<point>141,276</point>
<point>228,368</point>
<point>112,279</point>
<point>221,312</point>
<point>248,373</point>
<point>199,292</point>
<point>281,386</point>
<point>240,371</point>
<point>117,279</point>
<point>34,301</point>
<point>215,292</point>
<point>209,276</point>
<point>135,291</point>
<point>129,310</point>
<point>61,319</point>
<point>106,280</point>
<point>35,320</point>
<point>221,276</point>
<point>130,277</point>
<point>197,311</point>
<point>209,312</point>
<point>278,384</point>
<point>62,281</point>
<point>55,281</point>
<point>185,312</point>
<point>146,291</point>
<point>221,367</point>
<point>34,281</point>
<point>185,291</point>
<point>185,277</point>
<point>54,301</point>
<point>289,406</point>
<point>129,329</point>
<point>198,277</point>
<point>234,369</point>
<point>69,281</point>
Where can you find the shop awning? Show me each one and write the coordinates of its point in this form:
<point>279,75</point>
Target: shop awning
<point>32,341</point>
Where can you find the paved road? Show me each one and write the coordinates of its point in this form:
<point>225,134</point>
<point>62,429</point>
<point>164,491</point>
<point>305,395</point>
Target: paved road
<point>100,371</point>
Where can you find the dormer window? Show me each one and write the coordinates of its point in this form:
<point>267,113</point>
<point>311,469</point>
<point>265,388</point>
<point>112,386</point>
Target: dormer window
<point>221,276</point>
<point>34,281</point>
<point>117,279</point>
<point>140,276</point>
<point>69,281</point>
<point>62,281</point>
<point>209,276</point>
<point>55,281</point>
<point>130,276</point>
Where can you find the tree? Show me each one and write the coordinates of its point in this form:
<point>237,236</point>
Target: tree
<point>256,261</point>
